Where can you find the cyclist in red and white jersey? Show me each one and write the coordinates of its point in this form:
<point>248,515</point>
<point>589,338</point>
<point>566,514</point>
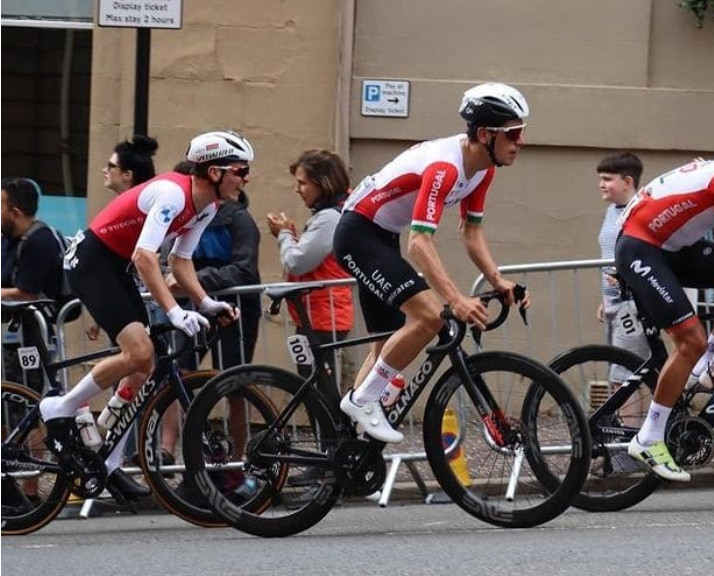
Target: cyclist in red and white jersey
<point>412,191</point>
<point>126,235</point>
<point>660,251</point>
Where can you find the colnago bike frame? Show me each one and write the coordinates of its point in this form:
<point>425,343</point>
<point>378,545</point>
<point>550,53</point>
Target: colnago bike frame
<point>449,337</point>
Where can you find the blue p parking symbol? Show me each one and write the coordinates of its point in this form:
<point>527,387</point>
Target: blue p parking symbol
<point>372,92</point>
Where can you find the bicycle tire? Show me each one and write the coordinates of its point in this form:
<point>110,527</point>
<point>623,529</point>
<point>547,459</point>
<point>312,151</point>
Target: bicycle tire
<point>20,515</point>
<point>505,485</point>
<point>167,486</point>
<point>278,509</point>
<point>629,482</point>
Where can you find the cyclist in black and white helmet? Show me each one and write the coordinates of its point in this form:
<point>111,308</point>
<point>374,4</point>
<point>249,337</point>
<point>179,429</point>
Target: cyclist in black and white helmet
<point>126,235</point>
<point>412,192</point>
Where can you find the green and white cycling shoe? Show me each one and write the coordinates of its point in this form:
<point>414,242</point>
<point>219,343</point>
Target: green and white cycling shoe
<point>659,460</point>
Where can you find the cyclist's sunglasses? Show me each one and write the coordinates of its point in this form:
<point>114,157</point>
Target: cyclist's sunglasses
<point>240,171</point>
<point>513,133</point>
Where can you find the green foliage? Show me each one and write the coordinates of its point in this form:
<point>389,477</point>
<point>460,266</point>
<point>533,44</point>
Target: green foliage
<point>699,8</point>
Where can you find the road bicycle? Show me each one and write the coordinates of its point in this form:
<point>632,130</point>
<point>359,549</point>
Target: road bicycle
<point>524,464</point>
<point>36,487</point>
<point>618,387</point>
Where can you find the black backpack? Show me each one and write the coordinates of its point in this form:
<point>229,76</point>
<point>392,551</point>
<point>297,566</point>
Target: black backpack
<point>64,293</point>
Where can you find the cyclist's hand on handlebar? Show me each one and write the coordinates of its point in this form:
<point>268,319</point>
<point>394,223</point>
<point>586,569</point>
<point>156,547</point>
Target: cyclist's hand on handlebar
<point>507,287</point>
<point>188,321</point>
<point>226,313</point>
<point>470,310</point>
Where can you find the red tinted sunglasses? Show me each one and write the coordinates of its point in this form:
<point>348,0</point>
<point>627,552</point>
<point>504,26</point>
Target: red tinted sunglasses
<point>513,133</point>
<point>241,171</point>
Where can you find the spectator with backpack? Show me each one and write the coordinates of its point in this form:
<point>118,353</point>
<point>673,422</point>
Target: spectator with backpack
<point>32,267</point>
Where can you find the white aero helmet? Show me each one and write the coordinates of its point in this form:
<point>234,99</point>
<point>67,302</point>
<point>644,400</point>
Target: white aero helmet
<point>219,147</point>
<point>492,104</point>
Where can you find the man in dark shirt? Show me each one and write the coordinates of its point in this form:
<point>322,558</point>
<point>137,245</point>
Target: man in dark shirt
<point>35,272</point>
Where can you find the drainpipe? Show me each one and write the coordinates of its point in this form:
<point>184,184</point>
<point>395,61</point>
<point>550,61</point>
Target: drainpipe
<point>346,37</point>
<point>65,148</point>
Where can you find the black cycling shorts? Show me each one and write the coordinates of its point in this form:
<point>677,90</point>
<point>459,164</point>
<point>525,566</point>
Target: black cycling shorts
<point>104,283</point>
<point>657,277</point>
<point>372,255</point>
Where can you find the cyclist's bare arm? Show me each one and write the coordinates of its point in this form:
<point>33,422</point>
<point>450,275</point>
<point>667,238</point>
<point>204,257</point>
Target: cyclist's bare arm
<point>477,248</point>
<point>422,251</point>
<point>184,272</point>
<point>147,265</point>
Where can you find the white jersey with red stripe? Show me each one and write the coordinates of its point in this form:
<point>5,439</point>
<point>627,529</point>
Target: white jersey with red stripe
<point>674,210</point>
<point>415,187</point>
<point>144,216</point>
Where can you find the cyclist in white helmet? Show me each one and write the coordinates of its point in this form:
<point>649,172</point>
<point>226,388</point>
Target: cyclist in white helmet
<point>126,236</point>
<point>412,192</point>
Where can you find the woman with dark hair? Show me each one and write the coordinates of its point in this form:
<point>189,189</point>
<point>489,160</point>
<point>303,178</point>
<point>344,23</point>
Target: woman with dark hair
<point>130,164</point>
<point>322,183</point>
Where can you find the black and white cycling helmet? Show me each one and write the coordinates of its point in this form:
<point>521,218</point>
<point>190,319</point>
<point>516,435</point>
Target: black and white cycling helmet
<point>221,147</point>
<point>492,105</point>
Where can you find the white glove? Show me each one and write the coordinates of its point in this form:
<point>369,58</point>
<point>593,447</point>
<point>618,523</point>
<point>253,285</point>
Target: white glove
<point>188,321</point>
<point>211,307</point>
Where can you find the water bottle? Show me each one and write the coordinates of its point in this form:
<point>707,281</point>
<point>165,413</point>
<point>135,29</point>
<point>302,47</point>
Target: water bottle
<point>114,407</point>
<point>393,390</point>
<point>87,428</point>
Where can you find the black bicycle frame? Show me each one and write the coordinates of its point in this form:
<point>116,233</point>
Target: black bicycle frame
<point>450,338</point>
<point>165,368</point>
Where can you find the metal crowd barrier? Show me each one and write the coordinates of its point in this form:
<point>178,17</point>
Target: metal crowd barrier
<point>565,289</point>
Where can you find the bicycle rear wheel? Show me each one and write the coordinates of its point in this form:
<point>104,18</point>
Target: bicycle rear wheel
<point>594,372</point>
<point>517,468</point>
<point>34,490</point>
<point>288,495</point>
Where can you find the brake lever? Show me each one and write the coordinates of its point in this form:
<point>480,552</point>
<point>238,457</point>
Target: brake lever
<point>519,294</point>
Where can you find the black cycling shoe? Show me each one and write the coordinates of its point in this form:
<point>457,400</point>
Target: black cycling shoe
<point>122,487</point>
<point>62,437</point>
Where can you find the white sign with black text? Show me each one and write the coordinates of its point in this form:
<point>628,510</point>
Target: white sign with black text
<point>140,13</point>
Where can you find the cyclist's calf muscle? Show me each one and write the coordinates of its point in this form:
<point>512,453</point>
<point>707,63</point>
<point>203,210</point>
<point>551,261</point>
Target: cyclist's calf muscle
<point>690,342</point>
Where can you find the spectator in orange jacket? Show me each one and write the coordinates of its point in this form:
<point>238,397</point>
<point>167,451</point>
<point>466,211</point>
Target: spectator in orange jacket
<point>322,183</point>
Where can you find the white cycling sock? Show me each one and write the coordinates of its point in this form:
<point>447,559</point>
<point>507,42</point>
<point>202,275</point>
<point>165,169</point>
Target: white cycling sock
<point>653,428</point>
<point>371,389</point>
<point>67,405</point>
<point>114,460</point>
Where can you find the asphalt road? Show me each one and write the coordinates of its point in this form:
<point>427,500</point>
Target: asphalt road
<point>670,533</point>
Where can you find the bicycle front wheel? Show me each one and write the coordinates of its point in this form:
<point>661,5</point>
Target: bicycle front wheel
<point>289,467</point>
<point>499,457</point>
<point>164,415</point>
<point>34,490</point>
<point>594,373</point>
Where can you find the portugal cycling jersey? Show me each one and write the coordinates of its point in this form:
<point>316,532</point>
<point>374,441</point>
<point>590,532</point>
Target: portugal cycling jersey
<point>144,216</point>
<point>674,210</point>
<point>417,185</point>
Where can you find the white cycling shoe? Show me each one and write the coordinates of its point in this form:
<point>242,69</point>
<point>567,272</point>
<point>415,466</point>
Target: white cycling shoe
<point>372,419</point>
<point>657,457</point>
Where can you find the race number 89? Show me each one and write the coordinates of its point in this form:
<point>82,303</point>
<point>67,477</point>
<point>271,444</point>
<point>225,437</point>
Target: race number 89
<point>29,357</point>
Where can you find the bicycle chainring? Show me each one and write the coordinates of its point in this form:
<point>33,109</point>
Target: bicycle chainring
<point>86,473</point>
<point>690,440</point>
<point>361,472</point>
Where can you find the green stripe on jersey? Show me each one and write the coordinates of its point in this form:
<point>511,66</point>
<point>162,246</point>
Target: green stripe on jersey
<point>421,226</point>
